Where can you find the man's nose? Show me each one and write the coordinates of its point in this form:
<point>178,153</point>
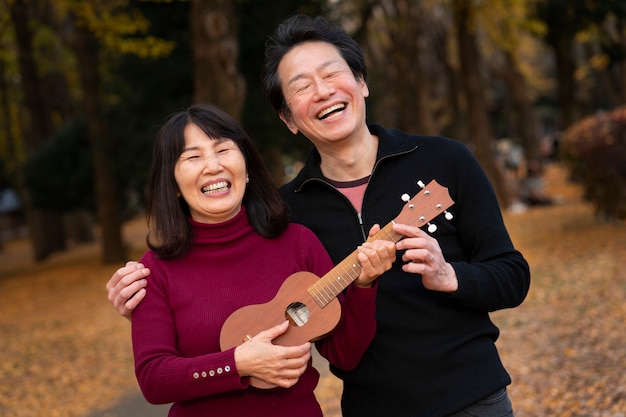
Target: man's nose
<point>323,89</point>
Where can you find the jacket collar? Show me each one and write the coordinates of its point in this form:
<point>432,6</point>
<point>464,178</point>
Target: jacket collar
<point>390,143</point>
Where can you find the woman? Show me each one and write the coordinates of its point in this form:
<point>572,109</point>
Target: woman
<point>219,239</point>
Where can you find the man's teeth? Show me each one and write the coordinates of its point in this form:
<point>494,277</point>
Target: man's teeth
<point>329,110</point>
<point>218,186</point>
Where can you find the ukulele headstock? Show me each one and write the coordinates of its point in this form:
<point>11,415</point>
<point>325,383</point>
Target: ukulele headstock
<point>432,200</point>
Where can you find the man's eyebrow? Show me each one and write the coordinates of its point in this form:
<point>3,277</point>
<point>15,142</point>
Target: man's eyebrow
<point>302,74</point>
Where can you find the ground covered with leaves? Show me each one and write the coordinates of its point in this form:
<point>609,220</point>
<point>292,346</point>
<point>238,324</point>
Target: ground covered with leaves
<point>65,352</point>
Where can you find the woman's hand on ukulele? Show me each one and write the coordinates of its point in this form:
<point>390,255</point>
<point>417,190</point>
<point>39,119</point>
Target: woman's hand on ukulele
<point>277,365</point>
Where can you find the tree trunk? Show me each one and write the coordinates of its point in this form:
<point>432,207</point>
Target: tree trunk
<point>611,85</point>
<point>45,236</point>
<point>455,97</point>
<point>106,189</point>
<point>407,70</point>
<point>6,115</point>
<point>215,49</point>
<point>523,121</point>
<point>479,126</point>
<point>563,47</point>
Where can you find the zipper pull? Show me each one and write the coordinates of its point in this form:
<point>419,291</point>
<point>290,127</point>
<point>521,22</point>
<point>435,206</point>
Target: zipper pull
<point>362,229</point>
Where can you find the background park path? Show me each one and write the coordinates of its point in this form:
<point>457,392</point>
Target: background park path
<point>64,352</point>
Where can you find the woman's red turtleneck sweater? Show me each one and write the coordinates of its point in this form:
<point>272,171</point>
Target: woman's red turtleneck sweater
<point>175,330</point>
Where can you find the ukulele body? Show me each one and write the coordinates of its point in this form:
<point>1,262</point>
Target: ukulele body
<point>307,320</point>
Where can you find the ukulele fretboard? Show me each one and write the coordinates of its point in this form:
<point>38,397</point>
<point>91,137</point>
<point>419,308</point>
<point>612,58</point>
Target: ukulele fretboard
<point>346,272</point>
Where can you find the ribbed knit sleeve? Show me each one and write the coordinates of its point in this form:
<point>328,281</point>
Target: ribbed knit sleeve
<point>492,274</point>
<point>164,375</point>
<point>345,346</point>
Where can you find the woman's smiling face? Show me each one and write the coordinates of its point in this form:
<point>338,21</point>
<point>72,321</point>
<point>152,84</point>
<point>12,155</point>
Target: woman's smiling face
<point>211,175</point>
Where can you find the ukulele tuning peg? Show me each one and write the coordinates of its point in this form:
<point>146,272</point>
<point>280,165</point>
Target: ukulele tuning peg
<point>421,184</point>
<point>432,228</point>
<point>448,215</point>
<point>405,197</point>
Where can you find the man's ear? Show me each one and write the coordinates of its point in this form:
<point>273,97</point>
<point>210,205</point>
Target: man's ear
<point>287,120</point>
<point>365,91</point>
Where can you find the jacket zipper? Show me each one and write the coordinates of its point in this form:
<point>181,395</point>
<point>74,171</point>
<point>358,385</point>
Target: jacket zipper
<point>360,215</point>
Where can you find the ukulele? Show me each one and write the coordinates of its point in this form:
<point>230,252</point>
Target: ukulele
<point>309,302</point>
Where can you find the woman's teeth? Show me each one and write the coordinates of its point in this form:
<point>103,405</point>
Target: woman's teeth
<point>218,186</point>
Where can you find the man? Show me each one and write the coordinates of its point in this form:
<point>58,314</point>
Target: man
<point>434,351</point>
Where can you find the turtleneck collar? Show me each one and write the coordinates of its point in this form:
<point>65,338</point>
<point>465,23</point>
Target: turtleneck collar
<point>230,230</point>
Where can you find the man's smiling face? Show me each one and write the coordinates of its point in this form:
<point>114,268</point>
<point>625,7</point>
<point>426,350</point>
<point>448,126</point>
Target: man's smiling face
<point>326,101</point>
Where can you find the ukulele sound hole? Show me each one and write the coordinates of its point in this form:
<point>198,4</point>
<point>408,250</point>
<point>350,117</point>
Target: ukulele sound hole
<point>297,314</point>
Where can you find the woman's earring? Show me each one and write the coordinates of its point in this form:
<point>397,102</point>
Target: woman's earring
<point>247,179</point>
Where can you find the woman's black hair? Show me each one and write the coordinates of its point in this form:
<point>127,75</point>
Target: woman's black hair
<point>168,214</point>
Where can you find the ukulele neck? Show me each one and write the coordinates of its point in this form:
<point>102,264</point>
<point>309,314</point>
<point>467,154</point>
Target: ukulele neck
<point>347,271</point>
<point>430,202</point>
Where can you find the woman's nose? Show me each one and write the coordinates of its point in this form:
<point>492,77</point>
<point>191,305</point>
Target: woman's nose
<point>212,164</point>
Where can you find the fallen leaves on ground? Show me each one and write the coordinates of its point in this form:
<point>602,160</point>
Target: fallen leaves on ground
<point>565,346</point>
<point>65,352</point>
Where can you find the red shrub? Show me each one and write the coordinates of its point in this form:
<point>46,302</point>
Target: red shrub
<point>595,149</point>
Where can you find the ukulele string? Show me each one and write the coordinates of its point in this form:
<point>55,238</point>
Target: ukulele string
<point>329,286</point>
